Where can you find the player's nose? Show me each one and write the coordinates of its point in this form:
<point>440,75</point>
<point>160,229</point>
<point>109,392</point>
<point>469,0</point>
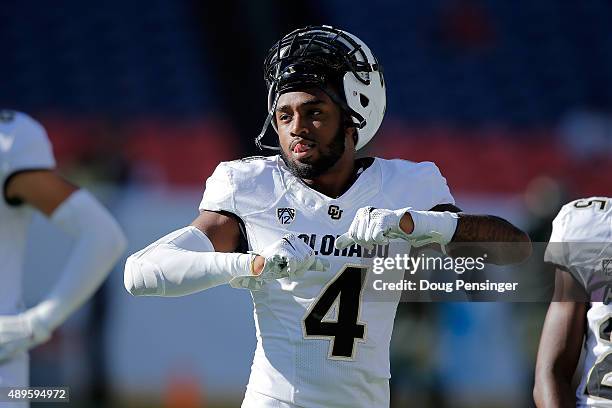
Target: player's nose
<point>299,126</point>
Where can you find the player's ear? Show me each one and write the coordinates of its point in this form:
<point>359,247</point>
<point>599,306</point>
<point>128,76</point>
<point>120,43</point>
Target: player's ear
<point>350,131</point>
<point>353,134</point>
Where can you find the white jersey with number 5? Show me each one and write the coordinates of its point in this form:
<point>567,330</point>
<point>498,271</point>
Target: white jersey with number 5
<point>322,340</point>
<point>23,146</point>
<point>581,242</point>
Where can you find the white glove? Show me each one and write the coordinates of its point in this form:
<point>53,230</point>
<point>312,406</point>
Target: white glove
<point>289,257</point>
<point>21,332</point>
<point>377,226</point>
<point>372,226</point>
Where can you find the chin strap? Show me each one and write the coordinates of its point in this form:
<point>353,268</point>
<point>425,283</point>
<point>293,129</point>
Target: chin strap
<point>266,124</point>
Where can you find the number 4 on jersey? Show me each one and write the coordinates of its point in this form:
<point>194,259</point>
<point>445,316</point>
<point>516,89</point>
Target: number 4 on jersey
<point>344,292</point>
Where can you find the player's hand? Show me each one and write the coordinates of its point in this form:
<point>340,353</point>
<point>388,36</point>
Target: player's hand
<point>372,226</point>
<point>20,333</point>
<point>289,257</point>
<point>377,226</point>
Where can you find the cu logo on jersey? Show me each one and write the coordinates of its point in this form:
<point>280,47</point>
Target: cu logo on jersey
<point>285,215</point>
<point>334,212</point>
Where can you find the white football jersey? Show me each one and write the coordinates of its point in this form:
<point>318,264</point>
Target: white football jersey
<point>23,146</point>
<point>581,242</point>
<point>323,339</point>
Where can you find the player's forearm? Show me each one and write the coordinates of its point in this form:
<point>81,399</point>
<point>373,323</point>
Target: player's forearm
<point>486,228</point>
<point>553,392</point>
<point>470,235</point>
<point>181,263</point>
<point>99,242</point>
<point>500,240</point>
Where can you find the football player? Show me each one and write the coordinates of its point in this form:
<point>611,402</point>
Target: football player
<point>30,183</point>
<point>309,217</point>
<point>580,316</point>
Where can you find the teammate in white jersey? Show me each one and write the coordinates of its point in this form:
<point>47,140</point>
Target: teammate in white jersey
<point>30,183</point>
<point>581,248</point>
<point>312,219</point>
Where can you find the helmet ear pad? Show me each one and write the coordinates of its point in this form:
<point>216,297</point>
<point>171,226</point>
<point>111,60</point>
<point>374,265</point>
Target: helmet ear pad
<point>368,101</point>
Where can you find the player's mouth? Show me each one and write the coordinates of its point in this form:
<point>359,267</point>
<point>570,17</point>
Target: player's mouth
<point>302,148</point>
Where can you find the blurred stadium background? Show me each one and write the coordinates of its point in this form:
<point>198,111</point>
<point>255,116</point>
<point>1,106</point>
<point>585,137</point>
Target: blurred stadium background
<point>141,99</point>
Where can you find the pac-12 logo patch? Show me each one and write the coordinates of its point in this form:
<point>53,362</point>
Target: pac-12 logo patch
<point>606,266</point>
<point>334,212</point>
<point>285,215</point>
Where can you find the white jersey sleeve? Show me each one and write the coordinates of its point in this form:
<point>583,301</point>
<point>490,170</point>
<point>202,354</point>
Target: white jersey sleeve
<point>418,183</point>
<point>554,250</point>
<point>23,145</point>
<point>440,193</point>
<point>243,187</point>
<point>219,191</point>
<point>580,237</point>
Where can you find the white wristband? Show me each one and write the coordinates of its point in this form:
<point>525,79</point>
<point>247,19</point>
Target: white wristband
<point>427,223</point>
